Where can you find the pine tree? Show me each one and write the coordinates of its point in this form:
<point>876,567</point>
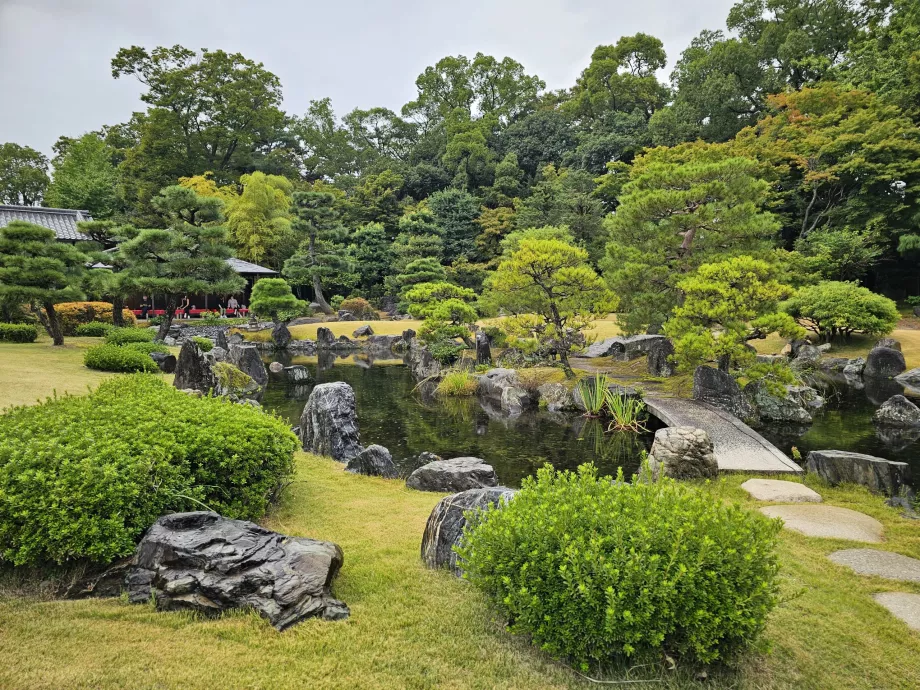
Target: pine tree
<point>272,297</point>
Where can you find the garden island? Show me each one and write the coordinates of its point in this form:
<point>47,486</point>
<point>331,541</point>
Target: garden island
<point>511,387</point>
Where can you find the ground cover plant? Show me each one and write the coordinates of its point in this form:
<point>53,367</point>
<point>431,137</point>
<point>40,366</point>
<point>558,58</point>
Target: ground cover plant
<point>82,477</point>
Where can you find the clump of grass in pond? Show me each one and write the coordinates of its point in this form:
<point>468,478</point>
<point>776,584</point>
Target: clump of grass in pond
<point>458,383</point>
<point>626,413</point>
<point>593,392</point>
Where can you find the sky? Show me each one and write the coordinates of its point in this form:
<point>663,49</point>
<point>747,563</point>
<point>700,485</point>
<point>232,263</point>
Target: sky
<point>55,76</point>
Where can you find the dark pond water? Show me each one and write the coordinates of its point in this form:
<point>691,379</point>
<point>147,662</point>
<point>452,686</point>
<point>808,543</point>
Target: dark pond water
<point>392,413</point>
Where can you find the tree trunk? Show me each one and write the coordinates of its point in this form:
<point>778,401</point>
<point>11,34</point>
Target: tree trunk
<point>54,325</point>
<point>318,296</point>
<point>168,319</point>
<point>118,304</point>
<point>724,362</point>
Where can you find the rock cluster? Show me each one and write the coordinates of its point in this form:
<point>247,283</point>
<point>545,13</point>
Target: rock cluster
<point>682,452</point>
<point>193,369</point>
<point>719,389</point>
<point>420,361</point>
<point>504,388</point>
<point>658,362</point>
<point>884,363</point>
<point>247,359</point>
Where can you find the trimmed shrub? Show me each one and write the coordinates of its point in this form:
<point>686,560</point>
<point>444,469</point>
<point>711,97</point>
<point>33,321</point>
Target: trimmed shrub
<point>115,358</point>
<point>204,343</point>
<point>360,308</point>
<point>72,314</point>
<point>122,336</point>
<point>83,477</point>
<point>592,568</point>
<point>147,348</point>
<point>833,308</point>
<point>18,333</point>
<point>94,329</point>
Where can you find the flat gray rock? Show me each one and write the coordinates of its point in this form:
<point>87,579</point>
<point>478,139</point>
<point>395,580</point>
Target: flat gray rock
<point>902,605</point>
<point>778,491</point>
<point>829,522</point>
<point>454,475</point>
<point>892,566</point>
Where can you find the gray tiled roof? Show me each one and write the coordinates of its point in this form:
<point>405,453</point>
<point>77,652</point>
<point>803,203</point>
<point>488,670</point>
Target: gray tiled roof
<point>62,220</point>
<point>241,266</point>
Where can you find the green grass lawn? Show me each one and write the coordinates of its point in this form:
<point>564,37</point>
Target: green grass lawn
<point>414,628</point>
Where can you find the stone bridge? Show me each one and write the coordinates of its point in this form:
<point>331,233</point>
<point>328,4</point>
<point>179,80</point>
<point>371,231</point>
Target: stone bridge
<point>737,447</point>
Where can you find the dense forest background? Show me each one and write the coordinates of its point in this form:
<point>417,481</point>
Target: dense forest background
<point>794,132</point>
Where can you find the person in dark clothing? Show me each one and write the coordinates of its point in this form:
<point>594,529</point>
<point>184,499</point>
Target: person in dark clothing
<point>145,306</point>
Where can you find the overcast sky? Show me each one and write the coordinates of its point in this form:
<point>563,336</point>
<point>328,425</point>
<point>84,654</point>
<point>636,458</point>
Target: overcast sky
<point>54,54</point>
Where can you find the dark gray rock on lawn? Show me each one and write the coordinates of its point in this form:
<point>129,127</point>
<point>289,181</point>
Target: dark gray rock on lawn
<point>207,563</point>
<point>659,358</point>
<point>884,363</point>
<point>345,315</point>
<point>193,369</point>
<point>890,343</point>
<point>446,523</point>
<point>483,349</point>
<point>838,466</point>
<point>281,336</point>
<point>165,361</point>
<point>374,461</point>
<point>898,411</point>
<point>297,374</point>
<point>363,331</point>
<point>457,474</point>
<point>248,360</point>
<point>719,389</point>
<point>329,423</point>
<point>324,338</point>
<point>682,452</point>
<point>621,348</point>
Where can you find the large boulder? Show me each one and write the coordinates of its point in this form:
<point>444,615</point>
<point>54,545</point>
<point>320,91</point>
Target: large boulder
<point>221,340</point>
<point>329,423</point>
<point>234,383</point>
<point>374,461</point>
<point>297,373</point>
<point>878,474</point>
<point>898,411</point>
<point>854,367</point>
<point>504,387</point>
<point>719,389</point>
<point>421,362</point>
<point>345,315</point>
<point>659,358</point>
<point>193,369</point>
<point>556,397</point>
<point>788,407</point>
<point>325,339</point>
<point>807,357</point>
<point>447,521</point>
<point>165,361</point>
<point>884,363</point>
<point>247,359</point>
<point>457,474</point>
<point>363,331</point>
<point>281,336</point>
<point>208,563</point>
<point>682,452</point>
<point>621,348</point>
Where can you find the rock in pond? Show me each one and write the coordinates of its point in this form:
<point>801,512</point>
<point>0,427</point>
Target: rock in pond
<point>276,367</point>
<point>911,378</point>
<point>456,474</point>
<point>329,423</point>
<point>788,408</point>
<point>840,466</point>
<point>884,363</point>
<point>446,523</point>
<point>325,339</point>
<point>193,369</point>
<point>682,452</point>
<point>248,360</point>
<point>855,366</point>
<point>557,397</point>
<point>898,411</point>
<point>374,461</point>
<point>297,373</point>
<point>719,389</point>
<point>208,563</point>
<point>421,362</point>
<point>281,336</point>
<point>363,331</point>
<point>165,361</point>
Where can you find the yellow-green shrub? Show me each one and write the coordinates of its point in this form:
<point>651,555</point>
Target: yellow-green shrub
<point>72,314</point>
<point>117,358</point>
<point>360,308</point>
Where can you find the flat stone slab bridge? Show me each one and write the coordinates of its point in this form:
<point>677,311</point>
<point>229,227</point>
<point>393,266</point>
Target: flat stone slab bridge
<point>737,447</point>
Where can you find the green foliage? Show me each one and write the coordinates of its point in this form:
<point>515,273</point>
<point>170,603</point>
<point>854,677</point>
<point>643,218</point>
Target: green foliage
<point>272,297</point>
<point>72,314</point>
<point>116,358</point>
<point>18,333</point>
<point>444,350</point>
<point>122,336</point>
<point>206,344</point>
<point>497,336</point>
<point>147,348</point>
<point>457,384</point>
<point>626,413</point>
<point>85,178</point>
<point>832,309</point>
<point>593,569</point>
<point>454,212</point>
<point>23,179</point>
<point>83,477</point>
<point>360,308</point>
<point>843,254</point>
<point>94,329</point>
<point>593,393</point>
<point>369,255</point>
<point>259,219</point>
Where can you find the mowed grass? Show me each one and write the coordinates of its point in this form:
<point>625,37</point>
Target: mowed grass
<point>856,346</point>
<point>307,331</point>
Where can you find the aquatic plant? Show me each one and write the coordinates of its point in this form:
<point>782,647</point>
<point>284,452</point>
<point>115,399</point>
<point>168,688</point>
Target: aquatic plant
<point>458,383</point>
<point>626,413</point>
<point>593,393</point>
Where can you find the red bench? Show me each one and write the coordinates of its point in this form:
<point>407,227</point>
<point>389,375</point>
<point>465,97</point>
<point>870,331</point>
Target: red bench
<point>192,312</point>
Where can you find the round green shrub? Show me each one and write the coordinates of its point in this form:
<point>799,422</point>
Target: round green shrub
<point>115,358</point>
<point>18,333</point>
<point>147,348</point>
<point>82,477</point>
<point>593,569</point>
<point>204,343</point>
<point>93,329</point>
<point>121,336</point>
<point>833,308</point>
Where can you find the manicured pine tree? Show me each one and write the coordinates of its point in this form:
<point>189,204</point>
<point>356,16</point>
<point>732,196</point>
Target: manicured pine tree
<point>272,297</point>
<point>111,282</point>
<point>38,270</point>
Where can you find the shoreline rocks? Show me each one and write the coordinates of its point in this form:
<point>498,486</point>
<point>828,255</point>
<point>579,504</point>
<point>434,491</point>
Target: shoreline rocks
<point>719,389</point>
<point>373,461</point>
<point>877,474</point>
<point>898,411</point>
<point>884,363</point>
<point>682,452</point>
<point>456,474</point>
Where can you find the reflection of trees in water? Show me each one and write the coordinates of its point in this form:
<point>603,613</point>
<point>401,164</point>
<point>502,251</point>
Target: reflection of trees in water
<point>613,449</point>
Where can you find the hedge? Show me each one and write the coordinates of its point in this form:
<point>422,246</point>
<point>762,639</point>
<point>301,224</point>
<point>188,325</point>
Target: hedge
<point>122,336</point>
<point>18,333</point>
<point>94,329</point>
<point>83,477</point>
<point>72,314</point>
<point>116,358</point>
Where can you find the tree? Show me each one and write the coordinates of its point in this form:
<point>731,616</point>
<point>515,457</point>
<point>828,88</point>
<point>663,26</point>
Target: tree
<point>376,200</point>
<point>38,270</point>
<point>832,309</point>
<point>725,305</point>
<point>455,212</point>
<point>272,297</point>
<point>841,254</point>
<point>111,282</point>
<point>322,254</point>
<point>259,219</point>
<point>23,179</point>
<point>683,207</point>
<point>424,270</point>
<point>495,224</point>
<point>446,311</point>
<point>553,292</point>
<point>540,139</point>
<point>84,178</point>
<point>369,254</point>
<point>189,257</point>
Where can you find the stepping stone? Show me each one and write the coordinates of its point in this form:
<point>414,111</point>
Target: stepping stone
<point>902,605</point>
<point>827,521</point>
<point>885,564</point>
<point>779,491</point>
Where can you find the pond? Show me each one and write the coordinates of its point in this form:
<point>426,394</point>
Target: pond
<point>392,412</point>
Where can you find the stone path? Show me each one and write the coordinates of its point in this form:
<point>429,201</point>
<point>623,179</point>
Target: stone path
<point>892,566</point>
<point>902,605</point>
<point>778,491</point>
<point>827,521</point>
<point>737,447</point>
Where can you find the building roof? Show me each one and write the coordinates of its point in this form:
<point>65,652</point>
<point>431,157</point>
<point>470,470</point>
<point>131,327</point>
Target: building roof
<point>62,220</point>
<point>241,266</point>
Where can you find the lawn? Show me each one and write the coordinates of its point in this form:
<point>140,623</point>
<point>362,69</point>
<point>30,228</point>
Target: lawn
<point>856,346</point>
<point>413,628</point>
